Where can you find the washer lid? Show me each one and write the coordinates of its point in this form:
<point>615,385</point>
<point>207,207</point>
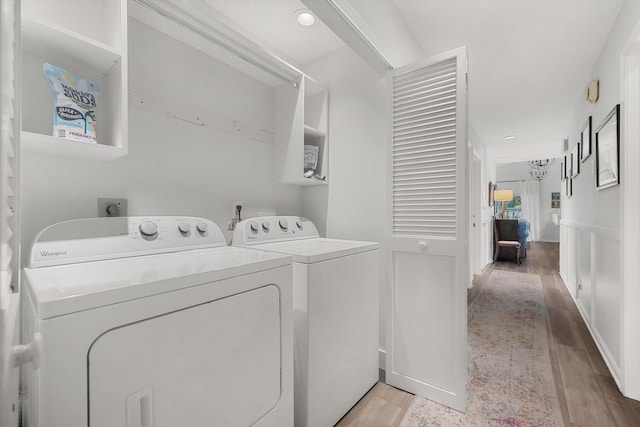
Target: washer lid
<point>309,251</point>
<point>65,289</point>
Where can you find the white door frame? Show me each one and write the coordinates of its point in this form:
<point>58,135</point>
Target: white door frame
<point>475,217</point>
<point>630,206</point>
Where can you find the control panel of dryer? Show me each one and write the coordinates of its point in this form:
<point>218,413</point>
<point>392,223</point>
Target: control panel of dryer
<point>94,239</point>
<point>269,229</point>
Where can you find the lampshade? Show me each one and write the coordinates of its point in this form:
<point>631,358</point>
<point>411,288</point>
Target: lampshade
<point>503,195</point>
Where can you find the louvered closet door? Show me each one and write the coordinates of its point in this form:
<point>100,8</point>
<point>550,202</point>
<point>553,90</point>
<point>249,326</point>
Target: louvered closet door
<point>9,247</point>
<point>428,228</point>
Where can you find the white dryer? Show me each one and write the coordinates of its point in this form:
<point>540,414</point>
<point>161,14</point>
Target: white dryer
<point>335,301</point>
<point>154,321</point>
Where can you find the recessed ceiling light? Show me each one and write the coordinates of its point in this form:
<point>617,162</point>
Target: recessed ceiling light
<point>508,137</point>
<point>305,18</point>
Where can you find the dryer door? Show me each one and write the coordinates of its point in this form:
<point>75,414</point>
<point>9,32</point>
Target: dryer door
<point>216,363</point>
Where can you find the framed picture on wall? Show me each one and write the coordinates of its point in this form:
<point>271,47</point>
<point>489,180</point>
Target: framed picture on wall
<point>608,150</point>
<point>568,187</point>
<point>585,141</point>
<point>555,200</point>
<point>575,161</point>
<point>563,168</point>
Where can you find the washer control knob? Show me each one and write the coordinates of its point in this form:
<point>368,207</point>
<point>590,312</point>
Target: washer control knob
<point>284,225</point>
<point>184,227</point>
<point>265,226</point>
<point>299,224</point>
<point>148,228</point>
<point>254,226</point>
<point>202,227</point>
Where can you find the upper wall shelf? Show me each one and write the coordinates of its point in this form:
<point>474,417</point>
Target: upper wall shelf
<point>301,119</point>
<point>313,132</point>
<point>49,40</point>
<point>95,48</point>
<point>51,146</point>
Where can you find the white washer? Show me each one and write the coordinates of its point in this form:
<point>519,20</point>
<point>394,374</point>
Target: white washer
<point>154,321</point>
<point>335,297</point>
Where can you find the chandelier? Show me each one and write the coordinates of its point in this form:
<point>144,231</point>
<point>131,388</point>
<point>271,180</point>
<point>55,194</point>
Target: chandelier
<point>539,168</point>
<point>541,164</point>
<point>538,173</point>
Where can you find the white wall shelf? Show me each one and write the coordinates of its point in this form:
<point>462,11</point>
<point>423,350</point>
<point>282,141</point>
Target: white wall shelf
<point>49,40</point>
<point>301,119</point>
<point>52,146</point>
<point>94,48</point>
<point>310,132</point>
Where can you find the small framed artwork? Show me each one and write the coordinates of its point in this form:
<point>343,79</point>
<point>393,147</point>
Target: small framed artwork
<point>585,141</point>
<point>563,168</point>
<point>555,200</point>
<point>608,150</point>
<point>568,187</point>
<point>575,161</point>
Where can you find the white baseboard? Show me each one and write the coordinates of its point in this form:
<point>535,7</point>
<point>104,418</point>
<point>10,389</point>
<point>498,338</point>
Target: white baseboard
<point>548,241</point>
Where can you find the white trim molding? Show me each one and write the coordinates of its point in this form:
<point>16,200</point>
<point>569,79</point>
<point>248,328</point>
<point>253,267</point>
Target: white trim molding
<point>590,269</point>
<point>629,207</point>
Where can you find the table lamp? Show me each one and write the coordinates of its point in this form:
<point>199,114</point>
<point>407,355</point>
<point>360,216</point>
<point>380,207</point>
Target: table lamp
<point>502,196</point>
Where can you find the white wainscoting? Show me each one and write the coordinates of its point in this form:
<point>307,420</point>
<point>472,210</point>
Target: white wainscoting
<point>590,268</point>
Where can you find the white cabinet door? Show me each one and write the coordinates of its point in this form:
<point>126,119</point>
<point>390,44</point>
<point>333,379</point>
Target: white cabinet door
<point>9,239</point>
<point>428,230</point>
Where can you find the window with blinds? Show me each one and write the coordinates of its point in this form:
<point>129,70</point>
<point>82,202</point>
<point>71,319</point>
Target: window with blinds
<point>424,152</point>
<point>9,135</point>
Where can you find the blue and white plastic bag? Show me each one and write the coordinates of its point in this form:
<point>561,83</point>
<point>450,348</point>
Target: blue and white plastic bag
<point>75,101</point>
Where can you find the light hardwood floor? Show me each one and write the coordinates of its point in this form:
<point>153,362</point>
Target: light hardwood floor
<point>588,394</point>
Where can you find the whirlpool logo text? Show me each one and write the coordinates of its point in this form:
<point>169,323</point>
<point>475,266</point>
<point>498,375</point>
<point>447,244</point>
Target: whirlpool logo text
<point>52,253</point>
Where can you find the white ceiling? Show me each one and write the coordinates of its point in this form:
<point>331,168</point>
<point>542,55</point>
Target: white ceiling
<point>529,60</point>
<point>274,22</point>
<point>529,63</point>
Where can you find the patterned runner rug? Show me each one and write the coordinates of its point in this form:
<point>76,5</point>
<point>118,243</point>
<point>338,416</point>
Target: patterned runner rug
<point>510,380</point>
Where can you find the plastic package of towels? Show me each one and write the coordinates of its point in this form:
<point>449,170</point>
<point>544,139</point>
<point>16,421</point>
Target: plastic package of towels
<point>75,101</point>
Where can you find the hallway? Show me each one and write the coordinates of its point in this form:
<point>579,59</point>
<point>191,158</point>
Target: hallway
<point>587,392</point>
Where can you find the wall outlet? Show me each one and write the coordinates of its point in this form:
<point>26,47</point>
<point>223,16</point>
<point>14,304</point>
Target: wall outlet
<point>112,207</point>
<point>235,210</point>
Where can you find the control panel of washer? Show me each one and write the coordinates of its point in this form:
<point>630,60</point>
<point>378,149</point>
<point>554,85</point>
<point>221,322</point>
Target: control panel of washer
<point>94,239</point>
<point>269,229</point>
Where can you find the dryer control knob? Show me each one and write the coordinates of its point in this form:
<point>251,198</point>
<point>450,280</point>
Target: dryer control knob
<point>202,227</point>
<point>184,227</point>
<point>265,226</point>
<point>299,224</point>
<point>254,226</point>
<point>148,228</point>
<point>284,225</point>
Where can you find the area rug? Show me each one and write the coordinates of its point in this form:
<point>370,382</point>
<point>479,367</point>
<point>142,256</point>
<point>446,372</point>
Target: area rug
<point>510,381</point>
